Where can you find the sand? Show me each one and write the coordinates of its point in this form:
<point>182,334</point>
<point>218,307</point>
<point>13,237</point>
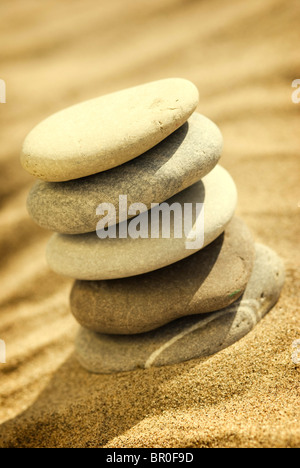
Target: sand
<point>243,58</point>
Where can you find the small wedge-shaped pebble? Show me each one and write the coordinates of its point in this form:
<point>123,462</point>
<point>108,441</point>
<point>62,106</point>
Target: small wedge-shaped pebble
<point>103,133</point>
<point>189,337</point>
<point>209,280</point>
<point>87,257</point>
<point>179,161</point>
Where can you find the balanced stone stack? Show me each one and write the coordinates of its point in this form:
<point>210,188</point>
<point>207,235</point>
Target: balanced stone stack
<point>143,298</point>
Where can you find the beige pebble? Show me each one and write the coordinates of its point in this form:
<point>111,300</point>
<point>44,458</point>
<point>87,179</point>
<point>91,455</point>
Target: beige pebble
<point>103,133</point>
<point>87,257</point>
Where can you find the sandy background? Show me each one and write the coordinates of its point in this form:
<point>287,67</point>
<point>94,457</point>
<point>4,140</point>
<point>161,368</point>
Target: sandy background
<point>243,56</point>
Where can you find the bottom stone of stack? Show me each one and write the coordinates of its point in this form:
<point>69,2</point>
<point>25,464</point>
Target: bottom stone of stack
<point>189,337</point>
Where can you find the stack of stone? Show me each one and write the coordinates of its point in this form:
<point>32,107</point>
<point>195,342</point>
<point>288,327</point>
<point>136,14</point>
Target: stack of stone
<point>141,296</point>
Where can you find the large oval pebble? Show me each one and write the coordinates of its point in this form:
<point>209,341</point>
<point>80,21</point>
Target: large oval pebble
<point>209,280</point>
<point>103,133</point>
<point>87,257</point>
<point>179,161</point>
<point>189,337</point>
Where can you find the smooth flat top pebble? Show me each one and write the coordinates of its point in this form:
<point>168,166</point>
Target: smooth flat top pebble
<point>87,257</point>
<point>209,280</point>
<point>103,133</point>
<point>189,337</point>
<point>176,163</point>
